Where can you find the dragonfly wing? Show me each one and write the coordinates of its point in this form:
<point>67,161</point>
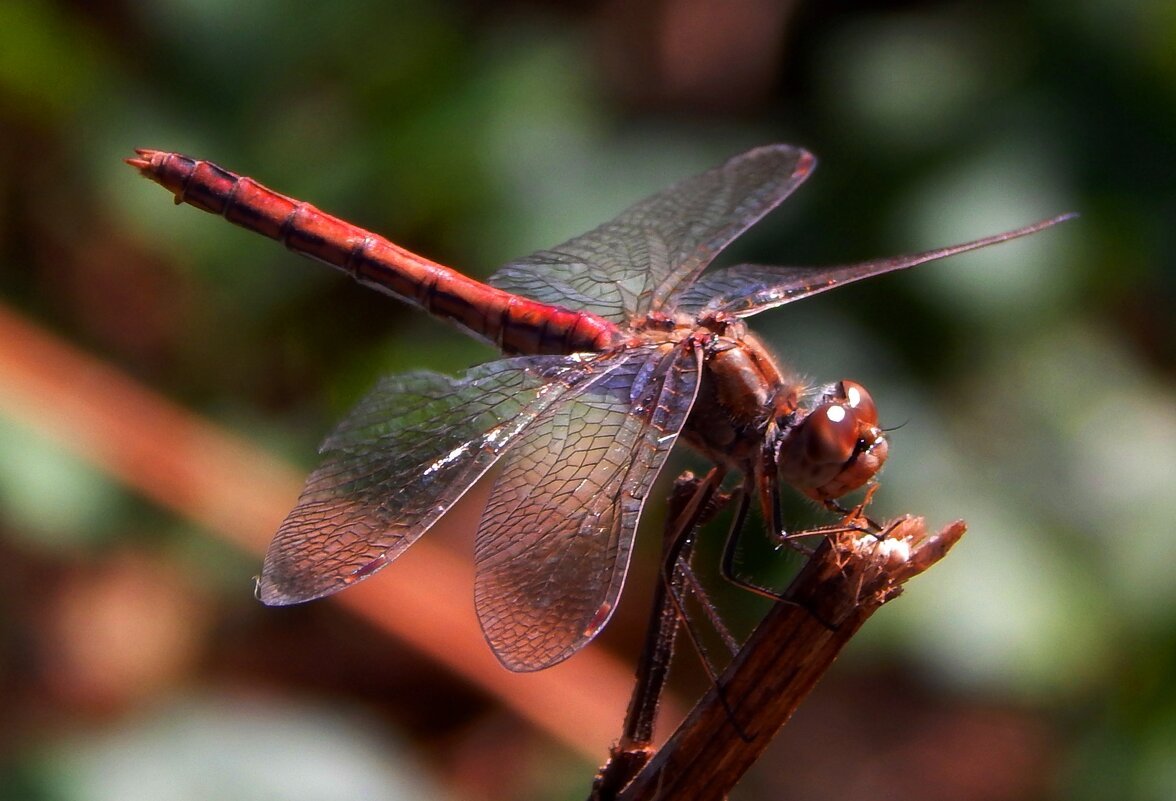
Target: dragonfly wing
<point>639,261</point>
<point>398,462</point>
<point>554,544</point>
<point>748,289</point>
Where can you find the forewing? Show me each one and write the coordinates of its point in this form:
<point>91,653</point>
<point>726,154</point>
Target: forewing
<point>555,540</point>
<point>748,289</point>
<point>402,457</point>
<point>639,261</point>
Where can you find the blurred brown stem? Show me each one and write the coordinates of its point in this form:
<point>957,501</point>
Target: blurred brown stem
<point>846,581</point>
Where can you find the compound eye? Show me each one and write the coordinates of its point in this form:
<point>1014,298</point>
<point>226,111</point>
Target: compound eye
<point>830,434</point>
<point>859,400</point>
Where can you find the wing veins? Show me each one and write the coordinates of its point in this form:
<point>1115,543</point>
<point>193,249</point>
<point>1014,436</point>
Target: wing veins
<point>521,577</point>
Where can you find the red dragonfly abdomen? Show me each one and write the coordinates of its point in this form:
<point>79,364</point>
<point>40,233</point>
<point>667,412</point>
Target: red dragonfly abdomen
<point>511,322</point>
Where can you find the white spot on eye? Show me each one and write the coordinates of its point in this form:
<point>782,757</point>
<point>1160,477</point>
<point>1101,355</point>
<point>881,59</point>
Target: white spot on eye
<point>835,413</point>
<point>854,396</point>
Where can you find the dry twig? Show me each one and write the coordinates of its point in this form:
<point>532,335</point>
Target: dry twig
<point>845,582</point>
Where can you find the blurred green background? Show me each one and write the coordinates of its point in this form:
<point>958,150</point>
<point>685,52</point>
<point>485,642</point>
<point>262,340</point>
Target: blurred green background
<point>1033,381</point>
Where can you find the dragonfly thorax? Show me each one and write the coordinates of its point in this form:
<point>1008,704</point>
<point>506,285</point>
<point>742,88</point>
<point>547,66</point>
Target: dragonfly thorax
<point>753,417</point>
<point>741,394</point>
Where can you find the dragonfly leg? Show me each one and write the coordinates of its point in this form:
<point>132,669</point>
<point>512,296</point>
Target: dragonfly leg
<point>679,577</point>
<point>853,520</point>
<point>858,513</point>
<point>728,567</point>
<point>692,502</point>
<point>689,583</point>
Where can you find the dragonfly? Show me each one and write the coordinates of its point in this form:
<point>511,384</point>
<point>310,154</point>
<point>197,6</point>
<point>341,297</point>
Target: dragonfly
<point>616,344</point>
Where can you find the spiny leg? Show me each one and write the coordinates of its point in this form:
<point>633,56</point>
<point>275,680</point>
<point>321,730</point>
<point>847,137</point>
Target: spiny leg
<point>691,504</point>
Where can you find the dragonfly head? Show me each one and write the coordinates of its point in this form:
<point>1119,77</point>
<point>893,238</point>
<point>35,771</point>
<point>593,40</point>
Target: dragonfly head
<point>835,448</point>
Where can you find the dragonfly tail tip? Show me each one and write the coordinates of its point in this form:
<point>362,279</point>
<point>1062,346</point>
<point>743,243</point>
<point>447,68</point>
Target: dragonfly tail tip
<point>143,162</point>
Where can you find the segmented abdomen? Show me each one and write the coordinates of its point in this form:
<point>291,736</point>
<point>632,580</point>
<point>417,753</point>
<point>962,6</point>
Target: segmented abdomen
<point>513,323</point>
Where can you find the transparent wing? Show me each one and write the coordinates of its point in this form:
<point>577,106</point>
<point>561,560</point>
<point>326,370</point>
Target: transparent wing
<point>639,261</point>
<point>554,544</point>
<point>748,289</point>
<point>398,462</point>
